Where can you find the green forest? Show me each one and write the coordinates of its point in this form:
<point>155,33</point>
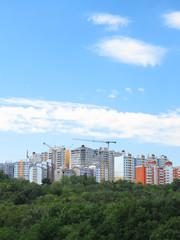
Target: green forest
<point>78,208</point>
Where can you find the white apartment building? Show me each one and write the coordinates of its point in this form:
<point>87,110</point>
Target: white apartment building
<point>151,172</point>
<point>37,173</point>
<point>168,169</point>
<point>21,169</point>
<point>140,160</point>
<point>162,160</point>
<point>124,167</point>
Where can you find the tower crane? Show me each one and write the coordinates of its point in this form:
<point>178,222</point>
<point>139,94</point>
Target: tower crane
<point>70,147</point>
<point>107,142</point>
<point>53,152</point>
<point>47,145</point>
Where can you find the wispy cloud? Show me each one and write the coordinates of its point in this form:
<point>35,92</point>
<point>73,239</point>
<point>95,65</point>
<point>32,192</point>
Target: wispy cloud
<point>141,89</point>
<point>172,20</point>
<point>125,98</point>
<point>129,90</point>
<point>32,116</point>
<point>100,90</point>
<point>113,22</point>
<point>131,51</point>
<point>113,94</point>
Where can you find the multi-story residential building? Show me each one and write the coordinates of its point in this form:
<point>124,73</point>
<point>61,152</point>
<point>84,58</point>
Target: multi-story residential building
<point>82,156</point>
<point>101,172</point>
<point>124,167</point>
<point>58,173</point>
<point>8,168</point>
<point>83,170</point>
<point>160,175</point>
<point>39,157</point>
<point>21,169</point>
<point>176,172</point>
<point>67,158</point>
<point>44,156</point>
<point>140,160</point>
<point>93,168</point>
<point>37,173</point>
<point>87,171</point>
<point>36,157</point>
<point>141,174</point>
<point>57,155</point>
<point>162,160</point>
<point>147,169</point>
<point>152,174</point>
<point>168,170</point>
<point>106,157</point>
<point>150,157</point>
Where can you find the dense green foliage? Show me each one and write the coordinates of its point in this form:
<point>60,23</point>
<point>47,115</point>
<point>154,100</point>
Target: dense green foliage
<point>78,208</point>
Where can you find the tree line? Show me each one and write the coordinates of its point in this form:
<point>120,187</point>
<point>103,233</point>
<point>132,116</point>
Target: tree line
<point>79,208</point>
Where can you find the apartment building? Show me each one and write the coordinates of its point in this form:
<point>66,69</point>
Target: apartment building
<point>67,159</point>
<point>82,156</point>
<point>39,157</point>
<point>57,156</point>
<point>152,174</point>
<point>141,174</point>
<point>124,167</point>
<point>160,176</point>
<point>140,160</point>
<point>168,172</point>
<point>162,160</point>
<point>40,171</point>
<point>93,169</point>
<point>8,168</point>
<point>176,172</point>
<point>21,169</point>
<point>101,173</point>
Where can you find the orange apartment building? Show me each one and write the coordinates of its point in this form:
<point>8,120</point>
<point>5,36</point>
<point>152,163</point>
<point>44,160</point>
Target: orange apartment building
<point>153,174</point>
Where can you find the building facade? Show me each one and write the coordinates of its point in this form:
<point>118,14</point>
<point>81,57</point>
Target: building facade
<point>152,174</point>
<point>21,169</point>
<point>124,167</point>
<point>8,169</point>
<point>38,172</point>
<point>57,155</point>
<point>82,156</point>
<point>101,173</point>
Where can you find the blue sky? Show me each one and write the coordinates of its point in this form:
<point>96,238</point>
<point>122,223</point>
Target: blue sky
<point>104,70</point>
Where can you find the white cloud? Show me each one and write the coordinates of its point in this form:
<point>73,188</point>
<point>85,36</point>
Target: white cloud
<point>113,22</point>
<point>100,90</point>
<point>129,90</point>
<point>113,94</point>
<point>172,19</point>
<point>24,115</point>
<point>131,51</point>
<point>141,89</point>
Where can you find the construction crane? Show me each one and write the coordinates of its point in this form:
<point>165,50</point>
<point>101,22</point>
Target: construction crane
<point>107,142</point>
<point>47,145</point>
<point>53,152</point>
<point>70,147</point>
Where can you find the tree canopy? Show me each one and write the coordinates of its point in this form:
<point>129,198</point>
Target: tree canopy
<point>80,208</point>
